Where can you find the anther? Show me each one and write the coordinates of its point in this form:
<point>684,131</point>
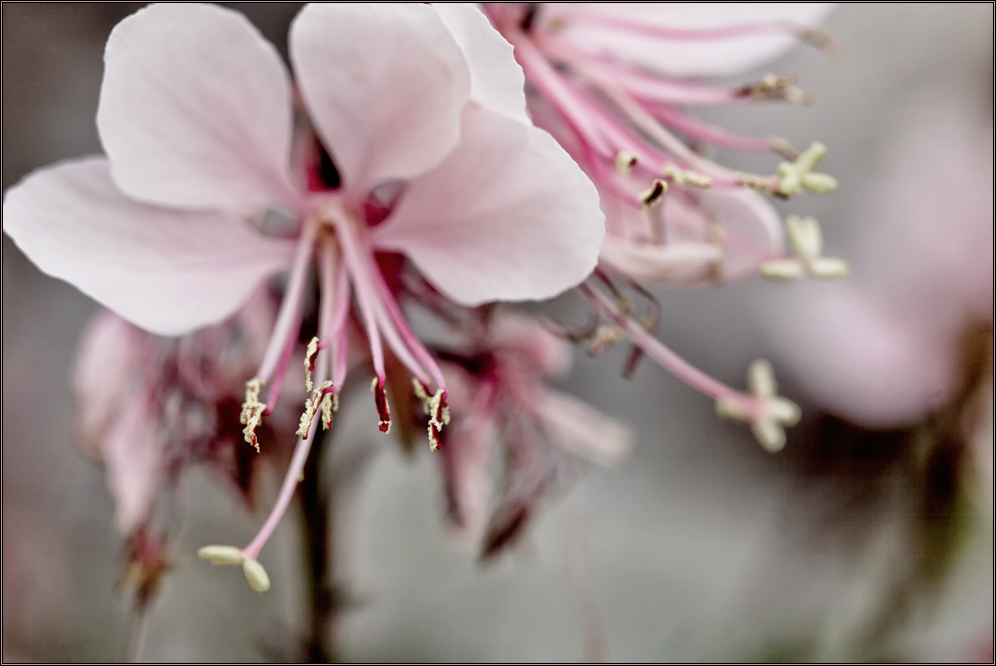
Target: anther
<point>435,408</point>
<point>309,364</point>
<point>383,409</point>
<point>252,411</point>
<point>221,555</point>
<point>652,197</point>
<point>798,175</point>
<point>311,406</point>
<point>807,243</point>
<point>625,161</point>
<point>686,177</point>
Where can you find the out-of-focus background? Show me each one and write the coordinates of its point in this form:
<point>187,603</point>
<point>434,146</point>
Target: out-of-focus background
<point>869,537</point>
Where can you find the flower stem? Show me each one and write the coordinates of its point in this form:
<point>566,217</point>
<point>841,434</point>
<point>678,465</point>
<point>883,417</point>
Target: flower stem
<point>317,531</point>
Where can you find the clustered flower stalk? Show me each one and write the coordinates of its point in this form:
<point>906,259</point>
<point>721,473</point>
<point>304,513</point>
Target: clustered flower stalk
<point>621,122</point>
<point>414,150</point>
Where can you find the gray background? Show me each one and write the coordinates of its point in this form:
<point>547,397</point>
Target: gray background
<point>702,547</point>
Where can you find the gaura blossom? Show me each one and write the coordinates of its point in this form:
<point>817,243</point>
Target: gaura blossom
<point>614,83</point>
<point>502,410</point>
<point>423,149</point>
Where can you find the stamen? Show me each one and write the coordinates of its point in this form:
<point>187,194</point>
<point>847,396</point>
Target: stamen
<point>436,408</point>
<point>798,176</point>
<point>252,411</point>
<point>652,197</point>
<point>383,409</point>
<point>311,406</point>
<point>625,161</point>
<point>309,364</point>
<point>686,176</point>
<point>775,87</point>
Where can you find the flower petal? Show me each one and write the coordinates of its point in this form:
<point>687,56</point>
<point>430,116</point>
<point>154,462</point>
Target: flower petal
<point>384,85</point>
<point>507,216</point>
<point>689,57</point>
<point>682,263</point>
<point>195,110</point>
<point>166,271</point>
<point>496,79</point>
<point>579,428</point>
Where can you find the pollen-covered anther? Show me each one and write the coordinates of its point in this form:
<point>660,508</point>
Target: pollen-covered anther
<point>329,404</point>
<point>807,244</point>
<point>681,176</point>
<point>252,411</point>
<point>773,87</point>
<point>309,364</point>
<point>383,409</point>
<point>625,161</point>
<point>653,196</point>
<point>436,409</point>
<point>605,336</point>
<point>799,175</point>
<point>311,406</point>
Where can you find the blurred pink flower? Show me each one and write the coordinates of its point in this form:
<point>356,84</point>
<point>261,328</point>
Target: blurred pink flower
<point>612,83</point>
<point>884,348</point>
<point>498,394</point>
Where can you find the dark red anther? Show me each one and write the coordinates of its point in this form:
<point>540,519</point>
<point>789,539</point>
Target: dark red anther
<point>383,410</point>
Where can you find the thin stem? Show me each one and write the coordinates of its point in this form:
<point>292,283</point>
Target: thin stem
<point>291,305</point>
<point>315,497</point>
<point>656,350</point>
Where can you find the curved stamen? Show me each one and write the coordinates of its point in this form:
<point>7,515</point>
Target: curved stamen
<point>656,350</point>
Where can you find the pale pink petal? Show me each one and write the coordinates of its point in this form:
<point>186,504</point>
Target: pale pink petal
<point>750,227</point>
<point>132,453</point>
<point>108,364</point>
<point>195,110</point>
<point>384,85</point>
<point>857,359</point>
<point>530,341</point>
<point>682,263</point>
<point>508,216</point>
<point>496,79</point>
<point>466,455</point>
<point>577,427</point>
<point>701,57</point>
<point>166,271</point>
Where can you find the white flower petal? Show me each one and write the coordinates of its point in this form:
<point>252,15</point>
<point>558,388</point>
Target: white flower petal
<point>166,271</point>
<point>384,85</point>
<point>701,57</point>
<point>496,79</point>
<point>195,110</point>
<point>507,216</point>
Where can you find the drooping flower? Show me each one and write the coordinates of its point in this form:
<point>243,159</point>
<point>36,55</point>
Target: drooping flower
<point>419,147</point>
<point>502,409</point>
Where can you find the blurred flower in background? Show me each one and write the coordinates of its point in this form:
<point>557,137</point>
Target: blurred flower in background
<point>701,548</point>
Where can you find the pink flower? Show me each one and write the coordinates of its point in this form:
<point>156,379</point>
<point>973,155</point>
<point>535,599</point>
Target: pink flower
<point>612,84</point>
<point>425,149</point>
<point>498,397</point>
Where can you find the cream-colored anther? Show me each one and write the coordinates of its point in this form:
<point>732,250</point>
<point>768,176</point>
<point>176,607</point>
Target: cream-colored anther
<point>681,176</point>
<point>799,175</point>
<point>806,240</point>
<point>252,411</point>
<point>625,161</point>
<point>221,555</point>
<point>256,575</point>
<point>309,364</point>
<point>433,407</point>
<point>605,336</point>
<point>311,405</point>
<point>765,411</point>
